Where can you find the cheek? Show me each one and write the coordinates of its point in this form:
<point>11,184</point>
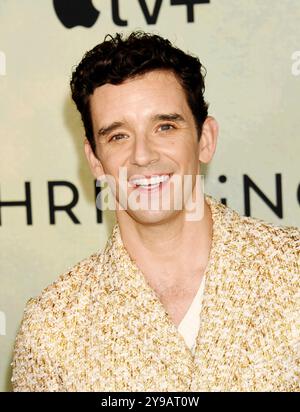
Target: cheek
<point>184,154</point>
<point>112,164</point>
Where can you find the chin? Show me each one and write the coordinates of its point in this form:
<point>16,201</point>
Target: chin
<point>153,217</point>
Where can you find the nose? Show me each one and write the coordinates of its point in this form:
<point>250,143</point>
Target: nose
<point>143,152</point>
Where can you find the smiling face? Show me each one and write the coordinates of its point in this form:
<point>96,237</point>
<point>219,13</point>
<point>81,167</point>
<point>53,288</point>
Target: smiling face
<point>146,126</point>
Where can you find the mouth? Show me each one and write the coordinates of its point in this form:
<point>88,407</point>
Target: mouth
<point>153,183</point>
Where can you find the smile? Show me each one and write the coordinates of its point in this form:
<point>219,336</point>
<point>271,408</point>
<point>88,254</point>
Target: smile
<point>147,184</point>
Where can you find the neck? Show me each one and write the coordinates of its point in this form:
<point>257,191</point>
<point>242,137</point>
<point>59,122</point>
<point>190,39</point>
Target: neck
<point>175,250</point>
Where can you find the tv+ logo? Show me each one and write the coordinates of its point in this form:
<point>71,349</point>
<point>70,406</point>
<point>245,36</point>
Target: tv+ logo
<point>83,13</point>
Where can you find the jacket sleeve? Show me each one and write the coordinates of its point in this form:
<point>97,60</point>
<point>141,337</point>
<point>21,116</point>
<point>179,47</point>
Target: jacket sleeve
<point>32,369</point>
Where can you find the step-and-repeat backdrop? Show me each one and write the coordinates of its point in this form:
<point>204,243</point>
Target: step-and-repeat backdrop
<point>251,50</point>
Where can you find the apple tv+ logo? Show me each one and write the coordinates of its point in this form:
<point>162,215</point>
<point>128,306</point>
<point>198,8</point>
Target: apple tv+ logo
<point>83,13</point>
<point>76,13</point>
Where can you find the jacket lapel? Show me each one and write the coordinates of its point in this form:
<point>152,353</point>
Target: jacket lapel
<point>154,347</point>
<point>226,307</point>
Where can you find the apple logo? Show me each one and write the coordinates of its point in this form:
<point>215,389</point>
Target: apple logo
<point>76,13</point>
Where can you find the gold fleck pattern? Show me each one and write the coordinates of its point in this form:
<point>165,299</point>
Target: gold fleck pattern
<point>101,327</point>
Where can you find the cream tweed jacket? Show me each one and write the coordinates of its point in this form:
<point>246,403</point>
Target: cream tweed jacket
<point>101,327</point>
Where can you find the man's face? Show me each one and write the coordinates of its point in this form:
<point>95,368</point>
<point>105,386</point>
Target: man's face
<point>146,126</point>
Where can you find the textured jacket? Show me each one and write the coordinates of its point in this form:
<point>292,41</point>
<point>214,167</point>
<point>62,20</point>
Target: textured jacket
<point>101,327</point>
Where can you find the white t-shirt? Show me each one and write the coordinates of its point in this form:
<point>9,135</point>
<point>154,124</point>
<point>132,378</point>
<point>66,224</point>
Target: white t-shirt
<point>189,325</point>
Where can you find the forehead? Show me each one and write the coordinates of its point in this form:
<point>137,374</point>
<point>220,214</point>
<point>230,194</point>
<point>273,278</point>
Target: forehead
<point>154,90</point>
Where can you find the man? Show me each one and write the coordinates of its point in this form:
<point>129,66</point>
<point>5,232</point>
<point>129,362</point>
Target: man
<point>173,302</point>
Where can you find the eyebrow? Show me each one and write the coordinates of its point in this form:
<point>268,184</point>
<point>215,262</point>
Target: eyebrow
<point>105,130</point>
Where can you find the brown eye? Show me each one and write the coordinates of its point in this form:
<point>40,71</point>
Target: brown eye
<point>116,137</point>
<point>166,127</point>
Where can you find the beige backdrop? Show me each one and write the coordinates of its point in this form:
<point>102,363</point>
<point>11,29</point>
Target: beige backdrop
<point>251,51</point>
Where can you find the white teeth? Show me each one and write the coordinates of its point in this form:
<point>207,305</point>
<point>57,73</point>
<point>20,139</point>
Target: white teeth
<point>154,180</point>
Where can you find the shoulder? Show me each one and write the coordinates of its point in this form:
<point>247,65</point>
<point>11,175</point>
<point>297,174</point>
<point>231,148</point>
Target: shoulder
<point>47,322</point>
<point>254,233</point>
<point>259,237</point>
<point>273,242</point>
<point>58,304</point>
<point>267,257</point>
<point>257,251</point>
<point>65,291</point>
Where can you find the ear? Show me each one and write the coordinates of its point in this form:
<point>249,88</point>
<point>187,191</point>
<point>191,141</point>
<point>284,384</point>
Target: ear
<point>208,140</point>
<point>94,162</point>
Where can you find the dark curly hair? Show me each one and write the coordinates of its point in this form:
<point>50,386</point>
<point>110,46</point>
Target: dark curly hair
<point>117,59</point>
